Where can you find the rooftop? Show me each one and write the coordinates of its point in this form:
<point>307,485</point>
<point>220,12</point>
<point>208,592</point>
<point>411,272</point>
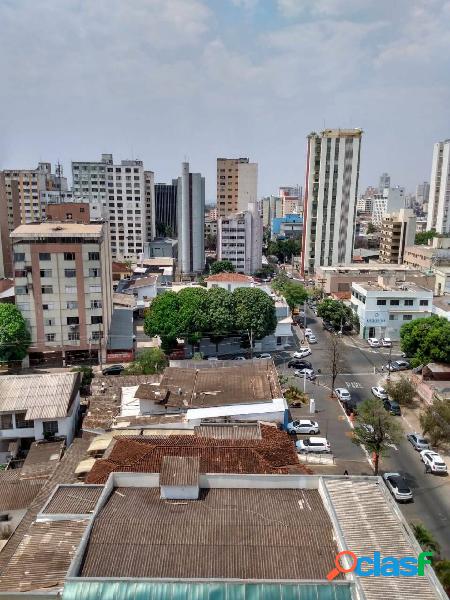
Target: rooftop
<point>229,277</point>
<point>121,331</point>
<point>16,493</point>
<point>366,268</point>
<point>45,396</point>
<point>58,230</point>
<point>179,470</point>
<point>398,287</point>
<point>42,459</point>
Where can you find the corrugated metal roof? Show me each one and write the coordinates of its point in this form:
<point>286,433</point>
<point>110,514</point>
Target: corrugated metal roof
<point>42,459</point>
<point>18,493</point>
<point>229,431</point>
<point>74,500</point>
<point>41,396</point>
<point>179,470</point>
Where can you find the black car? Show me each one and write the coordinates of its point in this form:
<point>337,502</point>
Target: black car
<point>299,364</point>
<point>392,407</point>
<point>328,326</point>
<point>350,406</point>
<point>114,370</point>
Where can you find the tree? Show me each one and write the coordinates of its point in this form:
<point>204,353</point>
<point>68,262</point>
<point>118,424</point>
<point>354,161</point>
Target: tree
<point>426,340</point>
<point>294,293</point>
<point>376,429</point>
<point>211,241</point>
<point>283,249</point>
<point>254,312</point>
<point>87,377</point>
<point>148,361</point>
<point>435,421</point>
<point>401,390</point>
<point>337,313</point>
<point>222,266</point>
<point>442,569</point>
<point>423,237</point>
<point>293,396</point>
<point>14,335</point>
<point>161,319</point>
<point>335,358</point>
<point>425,539</point>
<point>192,318</point>
<point>371,228</point>
<point>219,314</point>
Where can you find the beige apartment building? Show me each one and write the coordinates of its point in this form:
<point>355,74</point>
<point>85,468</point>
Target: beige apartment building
<point>63,287</point>
<point>237,185</point>
<point>426,257</point>
<point>398,230</point>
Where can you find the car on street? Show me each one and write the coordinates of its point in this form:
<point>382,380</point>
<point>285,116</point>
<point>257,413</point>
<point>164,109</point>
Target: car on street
<point>418,441</point>
<point>312,339</point>
<point>386,342</point>
<point>434,461</point>
<point>296,363</point>
<point>302,352</point>
<point>308,331</point>
<point>379,392</point>
<point>398,365</point>
<point>264,355</point>
<point>392,407</point>
<point>239,358</point>
<point>303,426</point>
<point>373,342</point>
<point>308,373</point>
<point>343,394</point>
<point>318,444</point>
<point>114,370</point>
<point>398,487</point>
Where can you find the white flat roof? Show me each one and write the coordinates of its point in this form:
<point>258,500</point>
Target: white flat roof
<point>276,405</point>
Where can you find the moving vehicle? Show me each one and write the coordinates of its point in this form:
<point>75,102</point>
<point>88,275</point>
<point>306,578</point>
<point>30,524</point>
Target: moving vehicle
<point>302,352</point>
<point>299,364</point>
<point>303,426</point>
<point>379,392</point>
<point>418,441</point>
<point>114,370</point>
<point>374,342</point>
<point>386,342</point>
<point>308,373</point>
<point>342,394</point>
<point>398,487</point>
<point>312,339</point>
<point>434,461</point>
<point>392,407</point>
<point>318,444</point>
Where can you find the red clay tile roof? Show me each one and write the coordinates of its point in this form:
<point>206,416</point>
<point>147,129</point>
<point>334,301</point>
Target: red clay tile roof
<point>236,277</point>
<point>118,267</point>
<point>274,453</point>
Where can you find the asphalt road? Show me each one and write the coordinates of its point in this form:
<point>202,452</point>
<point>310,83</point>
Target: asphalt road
<point>360,371</point>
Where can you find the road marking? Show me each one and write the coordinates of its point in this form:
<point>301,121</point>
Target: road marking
<point>353,384</point>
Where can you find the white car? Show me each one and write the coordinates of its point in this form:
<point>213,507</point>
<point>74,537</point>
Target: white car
<point>303,426</point>
<point>342,394</point>
<point>434,461</point>
<point>308,332</point>
<point>312,339</point>
<point>398,487</point>
<point>308,373</point>
<point>379,392</point>
<point>386,342</point>
<point>302,352</point>
<point>318,444</point>
<point>239,358</point>
<point>264,355</point>
<point>373,342</point>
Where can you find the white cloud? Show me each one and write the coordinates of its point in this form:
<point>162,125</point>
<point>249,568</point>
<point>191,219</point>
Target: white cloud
<point>295,8</point>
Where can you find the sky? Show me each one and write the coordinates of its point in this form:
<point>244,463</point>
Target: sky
<point>166,80</point>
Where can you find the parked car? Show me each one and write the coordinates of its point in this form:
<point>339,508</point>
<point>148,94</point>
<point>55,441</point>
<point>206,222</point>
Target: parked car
<point>374,342</point>
<point>303,426</point>
<point>302,352</point>
<point>312,339</point>
<point>342,394</point>
<point>308,331</point>
<point>114,370</point>
<point>398,487</point>
<point>379,392</point>
<point>434,461</point>
<point>264,355</point>
<point>299,364</point>
<point>386,342</point>
<point>212,358</point>
<point>392,407</point>
<point>308,373</point>
<point>418,441</point>
<point>239,358</point>
<point>402,365</point>
<point>318,444</point>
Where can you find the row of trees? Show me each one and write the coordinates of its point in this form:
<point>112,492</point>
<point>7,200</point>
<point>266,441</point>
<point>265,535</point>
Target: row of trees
<point>338,314</point>
<point>194,313</point>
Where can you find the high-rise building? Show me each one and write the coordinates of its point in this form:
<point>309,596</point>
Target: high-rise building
<point>291,199</point>
<point>422,196</point>
<point>388,201</point>
<point>237,184</point>
<point>191,221</point>
<point>166,209</point>
<point>332,173</point>
<point>5,244</point>
<point>439,197</point>
<point>272,208</point>
<point>123,195</point>
<point>239,240</point>
<point>398,231</point>
<point>63,286</point>
<point>384,182</point>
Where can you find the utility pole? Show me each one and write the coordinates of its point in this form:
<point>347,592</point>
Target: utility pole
<point>250,335</point>
<point>389,363</point>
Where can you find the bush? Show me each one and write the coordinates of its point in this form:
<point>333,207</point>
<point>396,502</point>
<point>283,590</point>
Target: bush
<point>148,362</point>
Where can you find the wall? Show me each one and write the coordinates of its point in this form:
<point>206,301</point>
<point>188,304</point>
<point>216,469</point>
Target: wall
<point>179,492</point>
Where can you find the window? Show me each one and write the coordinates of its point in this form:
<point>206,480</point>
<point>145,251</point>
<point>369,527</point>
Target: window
<point>70,304</point>
<point>48,306</point>
<point>21,290</point>
<point>73,320</point>
<point>49,322</point>
<point>69,255</point>
<point>407,317</point>
<point>20,273</point>
<point>50,427</point>
<point>95,288</point>
<point>22,423</point>
<point>96,303</point>
<point>381,302</point>
<point>19,256</point>
<point>424,303</point>
<point>394,302</point>
<point>45,272</point>
<point>70,289</point>
<point>73,336</point>
<point>50,337</point>
<point>393,317</point>
<point>94,272</point>
<point>409,302</point>
<point>70,272</point>
<point>96,335</point>
<point>94,255</point>
<point>96,320</point>
<point>47,289</point>
<point>6,422</point>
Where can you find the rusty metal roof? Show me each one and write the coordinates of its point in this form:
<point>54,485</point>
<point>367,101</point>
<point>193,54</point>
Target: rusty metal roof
<point>179,470</point>
<point>18,493</point>
<point>74,500</point>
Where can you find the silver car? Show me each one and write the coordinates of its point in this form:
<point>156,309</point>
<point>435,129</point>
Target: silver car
<point>418,441</point>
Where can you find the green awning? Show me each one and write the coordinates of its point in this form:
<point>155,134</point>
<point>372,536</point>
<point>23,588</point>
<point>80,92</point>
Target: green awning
<point>153,590</point>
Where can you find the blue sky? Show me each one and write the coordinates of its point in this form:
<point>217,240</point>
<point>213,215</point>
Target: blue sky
<point>164,79</point>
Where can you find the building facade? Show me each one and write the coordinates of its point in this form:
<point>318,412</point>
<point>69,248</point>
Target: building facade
<point>239,240</point>
<point>63,286</point>
<point>398,230</point>
<point>439,196</point>
<point>77,212</point>
<point>384,181</point>
<point>271,208</point>
<point>287,227</point>
<point>385,202</point>
<point>437,253</point>
<point>166,209</point>
<point>191,221</point>
<point>332,174</point>
<point>237,184</point>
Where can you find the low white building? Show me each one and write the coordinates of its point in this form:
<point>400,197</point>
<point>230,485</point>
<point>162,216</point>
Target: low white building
<point>384,306</point>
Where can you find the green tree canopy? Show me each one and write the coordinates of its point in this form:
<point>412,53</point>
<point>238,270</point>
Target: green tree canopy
<point>254,311</point>
<point>371,228</point>
<point>435,421</point>
<point>148,361</point>
<point>426,340</point>
<point>192,313</point>
<point>219,313</point>
<point>294,293</point>
<point>14,335</point>
<point>401,390</point>
<point>161,318</point>
<point>337,313</point>
<point>283,249</point>
<point>222,266</point>
<point>376,429</point>
<point>423,237</point>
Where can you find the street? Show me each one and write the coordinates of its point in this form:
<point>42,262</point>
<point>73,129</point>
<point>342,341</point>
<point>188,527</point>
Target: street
<point>360,371</point>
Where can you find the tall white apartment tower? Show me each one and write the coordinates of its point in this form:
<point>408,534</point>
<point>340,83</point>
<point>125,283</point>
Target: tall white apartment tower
<point>439,197</point>
<point>191,221</point>
<point>239,240</point>
<point>332,172</point>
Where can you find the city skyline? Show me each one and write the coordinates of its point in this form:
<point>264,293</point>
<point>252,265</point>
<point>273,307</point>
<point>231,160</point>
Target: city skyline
<point>204,79</point>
